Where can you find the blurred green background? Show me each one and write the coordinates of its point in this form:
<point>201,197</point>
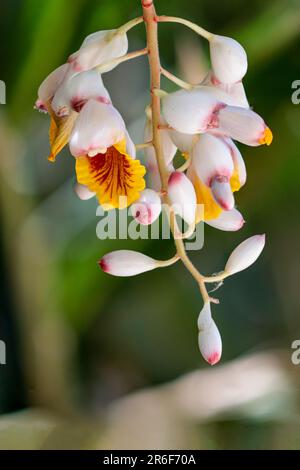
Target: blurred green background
<point>101,362</point>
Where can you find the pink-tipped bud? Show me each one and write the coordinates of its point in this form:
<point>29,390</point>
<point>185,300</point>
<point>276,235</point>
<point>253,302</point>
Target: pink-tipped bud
<point>221,191</point>
<point>229,221</point>
<point>83,192</point>
<point>244,125</point>
<point>209,339</point>
<point>212,158</point>
<point>182,196</point>
<point>245,254</point>
<point>126,263</point>
<point>147,208</point>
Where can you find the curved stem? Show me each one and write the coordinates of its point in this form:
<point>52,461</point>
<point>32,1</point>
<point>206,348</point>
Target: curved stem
<point>217,278</point>
<point>151,19</point>
<point>118,60</point>
<point>168,262</point>
<point>174,79</point>
<point>127,26</point>
<point>173,19</point>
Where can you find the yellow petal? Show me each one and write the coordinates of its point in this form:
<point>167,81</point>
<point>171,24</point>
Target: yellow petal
<point>204,196</point>
<point>112,175</point>
<point>60,131</point>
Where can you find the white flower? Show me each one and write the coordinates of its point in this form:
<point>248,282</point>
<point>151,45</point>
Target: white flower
<point>229,221</point>
<point>228,58</point>
<point>208,109</point>
<point>245,254</point>
<point>235,91</point>
<point>211,158</point>
<point>209,339</point>
<point>126,263</point>
<point>50,85</point>
<point>147,208</point>
<point>243,125</point>
<point>182,196</point>
<point>214,166</point>
<point>192,111</point>
<point>98,48</point>
<point>74,92</point>
<point>97,127</point>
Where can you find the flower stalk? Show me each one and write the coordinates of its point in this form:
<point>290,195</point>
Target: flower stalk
<point>151,20</point>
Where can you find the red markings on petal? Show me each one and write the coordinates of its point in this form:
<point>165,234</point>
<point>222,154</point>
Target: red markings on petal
<point>103,265</point>
<point>214,358</point>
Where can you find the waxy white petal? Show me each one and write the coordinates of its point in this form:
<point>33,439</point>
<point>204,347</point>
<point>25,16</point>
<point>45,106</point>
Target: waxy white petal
<point>77,90</point>
<point>184,142</point>
<point>222,193</point>
<point>209,339</point>
<point>99,48</point>
<point>243,125</point>
<point>245,254</point>
<point>126,263</point>
<point>236,95</point>
<point>191,111</point>
<point>182,196</point>
<point>229,221</point>
<point>238,160</point>
<point>147,208</point>
<point>211,158</point>
<point>83,192</point>
<point>228,58</point>
<point>204,318</point>
<point>97,127</point>
<point>50,85</point>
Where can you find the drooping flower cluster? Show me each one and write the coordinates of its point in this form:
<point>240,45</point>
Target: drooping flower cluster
<point>201,122</point>
<point>83,116</point>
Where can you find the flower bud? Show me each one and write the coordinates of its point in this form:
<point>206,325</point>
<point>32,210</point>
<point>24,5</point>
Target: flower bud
<point>98,48</point>
<point>243,125</point>
<point>182,196</point>
<point>245,254</point>
<point>222,193</point>
<point>126,263</point>
<point>212,158</point>
<point>228,58</point>
<point>147,208</point>
<point>49,86</point>
<point>229,221</point>
<point>83,192</point>
<point>209,339</point>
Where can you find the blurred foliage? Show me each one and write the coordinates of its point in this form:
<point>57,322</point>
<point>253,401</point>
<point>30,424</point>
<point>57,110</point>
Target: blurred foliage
<point>129,333</point>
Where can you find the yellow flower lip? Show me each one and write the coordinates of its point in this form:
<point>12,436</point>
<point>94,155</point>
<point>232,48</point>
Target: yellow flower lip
<point>267,137</point>
<point>114,176</point>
